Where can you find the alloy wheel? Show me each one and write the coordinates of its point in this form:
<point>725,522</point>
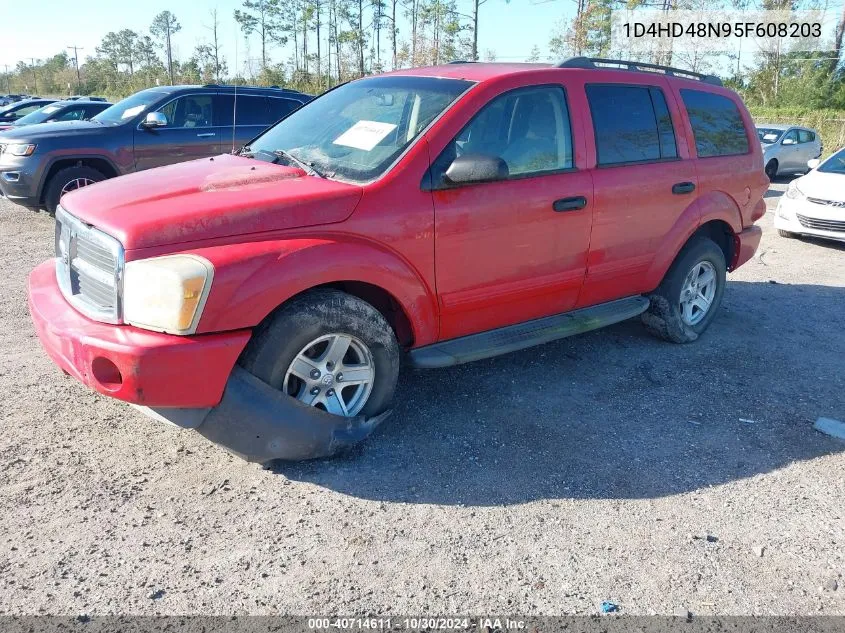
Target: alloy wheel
<point>698,292</point>
<point>334,372</point>
<point>76,183</point>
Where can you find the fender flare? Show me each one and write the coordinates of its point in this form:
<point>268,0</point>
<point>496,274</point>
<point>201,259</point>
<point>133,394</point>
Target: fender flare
<point>714,205</point>
<point>254,278</point>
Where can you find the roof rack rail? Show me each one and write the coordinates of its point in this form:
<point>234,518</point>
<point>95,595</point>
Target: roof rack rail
<point>461,61</point>
<point>597,62</point>
<point>249,87</point>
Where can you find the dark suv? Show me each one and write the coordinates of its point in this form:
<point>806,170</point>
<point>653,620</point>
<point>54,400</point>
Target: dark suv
<point>154,127</point>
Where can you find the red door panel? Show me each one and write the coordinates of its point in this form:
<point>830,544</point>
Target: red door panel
<point>505,256</point>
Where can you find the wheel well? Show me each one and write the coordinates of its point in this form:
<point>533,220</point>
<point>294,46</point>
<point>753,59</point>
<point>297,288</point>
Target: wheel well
<point>721,233</point>
<point>377,297</point>
<point>100,164</point>
<point>385,303</point>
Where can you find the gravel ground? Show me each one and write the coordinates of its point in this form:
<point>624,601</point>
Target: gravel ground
<point>609,466</point>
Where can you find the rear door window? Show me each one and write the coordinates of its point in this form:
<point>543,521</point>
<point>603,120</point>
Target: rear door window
<point>281,107</point>
<point>716,124</point>
<point>631,124</point>
<point>251,110</point>
<point>805,136</point>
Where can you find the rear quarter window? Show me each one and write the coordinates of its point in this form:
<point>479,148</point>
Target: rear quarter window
<point>716,124</point>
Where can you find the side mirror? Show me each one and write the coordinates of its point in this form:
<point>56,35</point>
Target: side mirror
<point>788,141</point>
<point>155,119</point>
<point>471,168</point>
<point>813,163</point>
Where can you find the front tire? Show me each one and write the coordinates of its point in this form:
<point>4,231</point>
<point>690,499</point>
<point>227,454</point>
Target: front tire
<point>785,234</point>
<point>689,296</point>
<point>330,350</point>
<point>67,180</point>
<point>772,169</point>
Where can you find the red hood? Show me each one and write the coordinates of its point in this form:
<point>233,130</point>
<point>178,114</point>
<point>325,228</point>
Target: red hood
<point>210,198</point>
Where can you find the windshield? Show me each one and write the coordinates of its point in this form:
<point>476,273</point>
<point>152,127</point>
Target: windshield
<point>769,135</point>
<point>129,108</point>
<point>356,131</point>
<point>835,164</point>
<point>39,116</point>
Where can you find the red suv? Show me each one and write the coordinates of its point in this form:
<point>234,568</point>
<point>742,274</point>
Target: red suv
<point>454,212</point>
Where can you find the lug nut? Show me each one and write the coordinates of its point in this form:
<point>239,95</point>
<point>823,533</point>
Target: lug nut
<point>330,392</point>
<point>339,377</point>
<point>315,391</point>
<point>315,373</point>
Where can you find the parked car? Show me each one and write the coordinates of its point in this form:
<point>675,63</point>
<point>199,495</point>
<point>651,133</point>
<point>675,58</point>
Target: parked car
<point>5,100</point>
<point>59,111</point>
<point>815,204</point>
<point>12,98</point>
<point>151,128</point>
<point>20,109</point>
<point>455,212</point>
<point>787,148</point>
<point>86,98</point>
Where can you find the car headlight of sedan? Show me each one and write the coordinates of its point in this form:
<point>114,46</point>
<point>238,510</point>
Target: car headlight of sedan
<point>793,192</point>
<point>166,294</point>
<point>20,149</point>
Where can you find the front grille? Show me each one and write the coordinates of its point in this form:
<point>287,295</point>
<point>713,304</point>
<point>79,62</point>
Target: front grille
<point>89,268</point>
<point>836,226</point>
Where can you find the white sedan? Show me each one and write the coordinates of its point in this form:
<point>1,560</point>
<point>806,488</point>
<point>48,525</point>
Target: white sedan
<point>815,204</point>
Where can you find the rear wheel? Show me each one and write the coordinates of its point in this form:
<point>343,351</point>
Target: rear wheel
<point>689,296</point>
<point>67,180</point>
<point>772,169</point>
<point>329,350</point>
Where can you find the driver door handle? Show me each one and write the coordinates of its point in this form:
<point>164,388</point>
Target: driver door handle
<point>206,134</point>
<point>683,187</point>
<point>575,203</point>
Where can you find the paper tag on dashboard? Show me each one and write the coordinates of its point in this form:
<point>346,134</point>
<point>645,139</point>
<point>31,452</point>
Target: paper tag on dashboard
<point>365,135</point>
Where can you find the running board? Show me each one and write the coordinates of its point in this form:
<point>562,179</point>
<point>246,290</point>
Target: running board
<point>523,335</point>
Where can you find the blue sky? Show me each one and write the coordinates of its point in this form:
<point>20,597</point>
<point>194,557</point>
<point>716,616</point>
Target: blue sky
<point>44,27</point>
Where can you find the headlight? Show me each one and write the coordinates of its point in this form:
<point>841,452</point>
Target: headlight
<point>793,192</point>
<point>166,294</point>
<point>20,149</point>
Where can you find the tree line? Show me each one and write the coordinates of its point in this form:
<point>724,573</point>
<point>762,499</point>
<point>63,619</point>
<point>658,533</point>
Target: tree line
<point>312,45</point>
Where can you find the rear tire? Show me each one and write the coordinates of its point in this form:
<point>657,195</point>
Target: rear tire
<point>772,169</point>
<point>785,234</point>
<point>66,180</point>
<point>315,316</point>
<point>667,316</point>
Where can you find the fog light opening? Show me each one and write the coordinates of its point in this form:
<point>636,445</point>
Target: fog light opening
<point>106,373</point>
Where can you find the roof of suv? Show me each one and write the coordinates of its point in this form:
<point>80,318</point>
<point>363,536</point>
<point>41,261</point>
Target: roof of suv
<point>481,71</point>
<point>226,88</point>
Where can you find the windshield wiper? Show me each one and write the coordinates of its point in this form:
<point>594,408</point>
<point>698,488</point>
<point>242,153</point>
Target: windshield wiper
<point>308,167</point>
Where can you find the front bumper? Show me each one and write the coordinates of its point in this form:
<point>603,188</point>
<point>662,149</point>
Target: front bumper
<point>788,209</point>
<point>190,381</point>
<point>128,363</point>
<point>19,179</point>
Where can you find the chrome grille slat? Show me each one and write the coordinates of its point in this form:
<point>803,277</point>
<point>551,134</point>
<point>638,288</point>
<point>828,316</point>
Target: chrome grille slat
<point>89,268</point>
<point>835,226</point>
<point>93,254</point>
<point>100,293</point>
